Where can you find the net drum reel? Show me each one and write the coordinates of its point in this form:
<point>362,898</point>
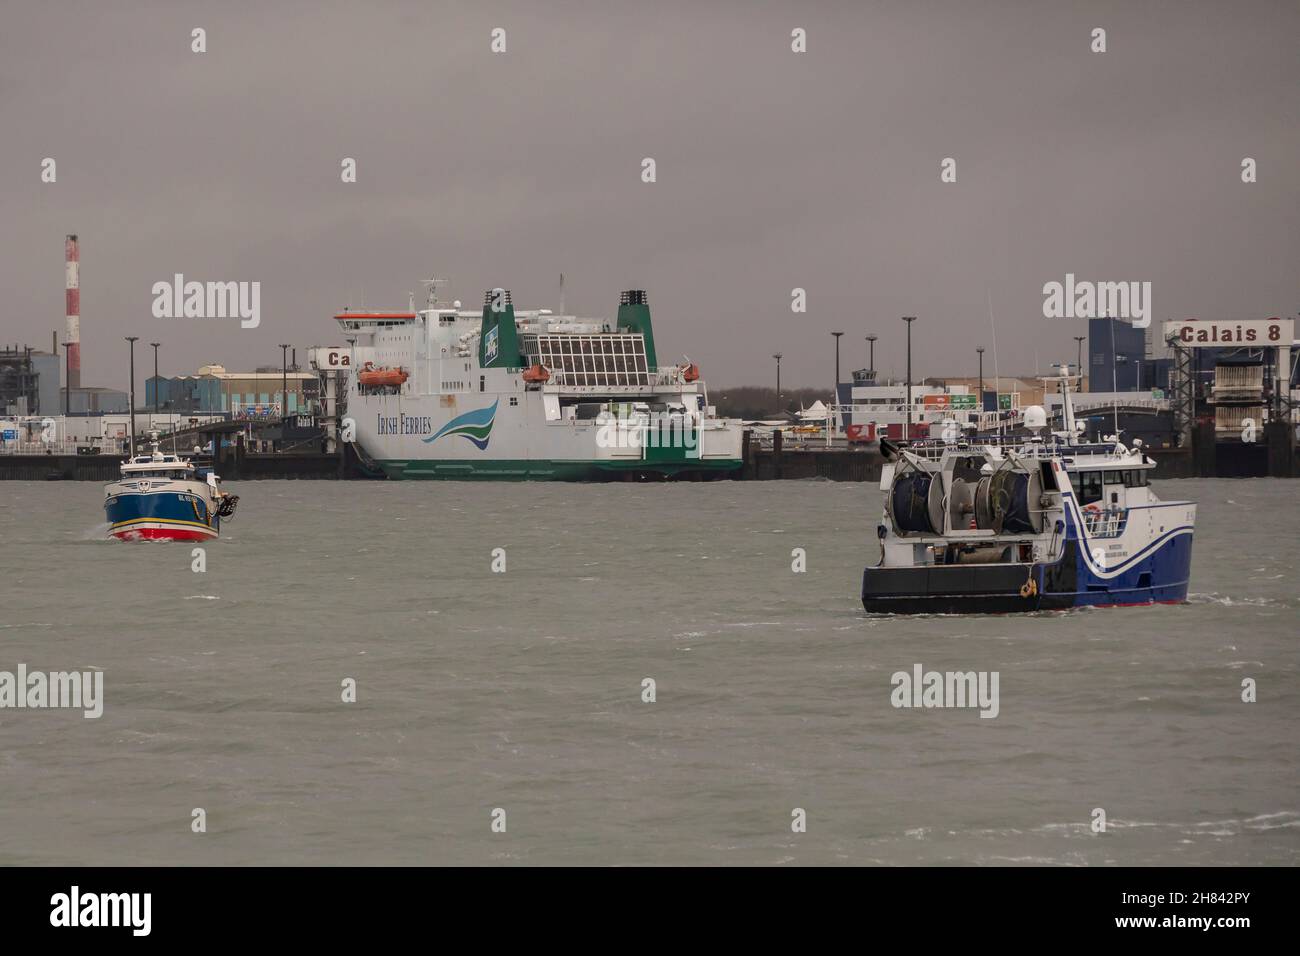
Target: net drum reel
<point>916,503</point>
<point>961,504</point>
<point>1009,502</point>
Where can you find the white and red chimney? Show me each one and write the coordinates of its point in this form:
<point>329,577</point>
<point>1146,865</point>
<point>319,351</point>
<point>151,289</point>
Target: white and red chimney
<point>72,262</point>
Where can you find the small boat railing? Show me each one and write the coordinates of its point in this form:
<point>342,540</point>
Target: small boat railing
<point>1108,523</point>
<point>934,449</point>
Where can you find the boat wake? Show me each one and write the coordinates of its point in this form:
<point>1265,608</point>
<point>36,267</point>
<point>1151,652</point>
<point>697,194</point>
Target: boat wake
<point>1228,600</point>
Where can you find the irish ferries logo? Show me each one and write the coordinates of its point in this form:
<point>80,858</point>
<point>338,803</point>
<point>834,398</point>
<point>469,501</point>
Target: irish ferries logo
<point>475,425</point>
<point>490,346</point>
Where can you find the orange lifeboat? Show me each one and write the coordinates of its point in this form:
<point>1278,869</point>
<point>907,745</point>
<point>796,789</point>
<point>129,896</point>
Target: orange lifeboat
<point>372,377</point>
<point>690,372</point>
<point>538,373</point>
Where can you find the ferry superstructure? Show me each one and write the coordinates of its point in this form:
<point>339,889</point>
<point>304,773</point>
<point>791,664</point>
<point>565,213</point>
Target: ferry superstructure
<point>446,392</point>
<point>1003,525</point>
<point>164,496</point>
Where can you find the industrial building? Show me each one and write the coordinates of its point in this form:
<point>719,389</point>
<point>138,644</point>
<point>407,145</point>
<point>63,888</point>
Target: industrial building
<point>1121,359</point>
<point>94,400</point>
<point>33,382</point>
<point>29,382</point>
<point>242,394</point>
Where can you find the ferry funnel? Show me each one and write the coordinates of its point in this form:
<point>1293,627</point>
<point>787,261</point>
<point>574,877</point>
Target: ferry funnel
<point>498,341</point>
<point>634,316</point>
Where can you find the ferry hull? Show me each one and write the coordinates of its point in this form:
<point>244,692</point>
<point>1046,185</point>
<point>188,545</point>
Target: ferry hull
<point>1158,577</point>
<point>481,436</point>
<point>550,470</point>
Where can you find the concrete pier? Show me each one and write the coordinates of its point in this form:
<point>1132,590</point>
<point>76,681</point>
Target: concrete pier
<point>1275,456</point>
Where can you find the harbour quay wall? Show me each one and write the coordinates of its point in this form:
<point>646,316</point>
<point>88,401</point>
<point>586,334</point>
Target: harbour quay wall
<point>834,464</point>
<point>106,468</point>
<point>777,461</point>
<point>841,465</point>
<point>103,468</point>
<point>1278,457</point>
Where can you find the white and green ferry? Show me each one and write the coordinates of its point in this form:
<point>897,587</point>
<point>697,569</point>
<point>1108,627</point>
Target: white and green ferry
<point>451,393</point>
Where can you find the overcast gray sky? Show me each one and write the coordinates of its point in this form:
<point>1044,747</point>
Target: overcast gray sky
<point>775,170</point>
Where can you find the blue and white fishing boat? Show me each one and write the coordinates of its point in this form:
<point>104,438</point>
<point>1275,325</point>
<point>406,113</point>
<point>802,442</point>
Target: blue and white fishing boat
<point>166,497</point>
<point>1025,524</point>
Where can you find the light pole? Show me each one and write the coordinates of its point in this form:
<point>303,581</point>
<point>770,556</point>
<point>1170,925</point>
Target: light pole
<point>1079,340</point>
<point>284,385</point>
<point>777,356</point>
<point>67,385</point>
<point>155,377</point>
<point>909,319</point>
<point>871,344</point>
<point>980,350</point>
<point>837,363</point>
<point>132,339</point>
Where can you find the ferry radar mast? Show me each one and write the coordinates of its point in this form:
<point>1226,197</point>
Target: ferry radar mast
<point>431,290</point>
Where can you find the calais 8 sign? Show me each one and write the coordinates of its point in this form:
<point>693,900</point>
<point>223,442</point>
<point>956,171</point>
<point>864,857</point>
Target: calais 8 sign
<point>1251,333</point>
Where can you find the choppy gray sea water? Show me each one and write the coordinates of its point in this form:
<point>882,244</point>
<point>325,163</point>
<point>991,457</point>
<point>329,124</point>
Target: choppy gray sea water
<point>523,690</point>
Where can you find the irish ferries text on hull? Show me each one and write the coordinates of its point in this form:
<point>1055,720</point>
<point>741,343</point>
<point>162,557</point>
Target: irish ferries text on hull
<point>450,393</point>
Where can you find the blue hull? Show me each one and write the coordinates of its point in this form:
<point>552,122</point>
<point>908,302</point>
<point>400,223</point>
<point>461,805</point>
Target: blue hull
<point>161,514</point>
<point>1158,574</point>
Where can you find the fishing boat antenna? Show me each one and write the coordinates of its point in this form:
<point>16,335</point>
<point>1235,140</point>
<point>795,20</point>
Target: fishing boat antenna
<point>997,382</point>
<point>1069,426</point>
<point>1114,378</point>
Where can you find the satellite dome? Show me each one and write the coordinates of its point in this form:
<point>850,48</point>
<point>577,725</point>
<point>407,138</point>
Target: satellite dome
<point>1035,417</point>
